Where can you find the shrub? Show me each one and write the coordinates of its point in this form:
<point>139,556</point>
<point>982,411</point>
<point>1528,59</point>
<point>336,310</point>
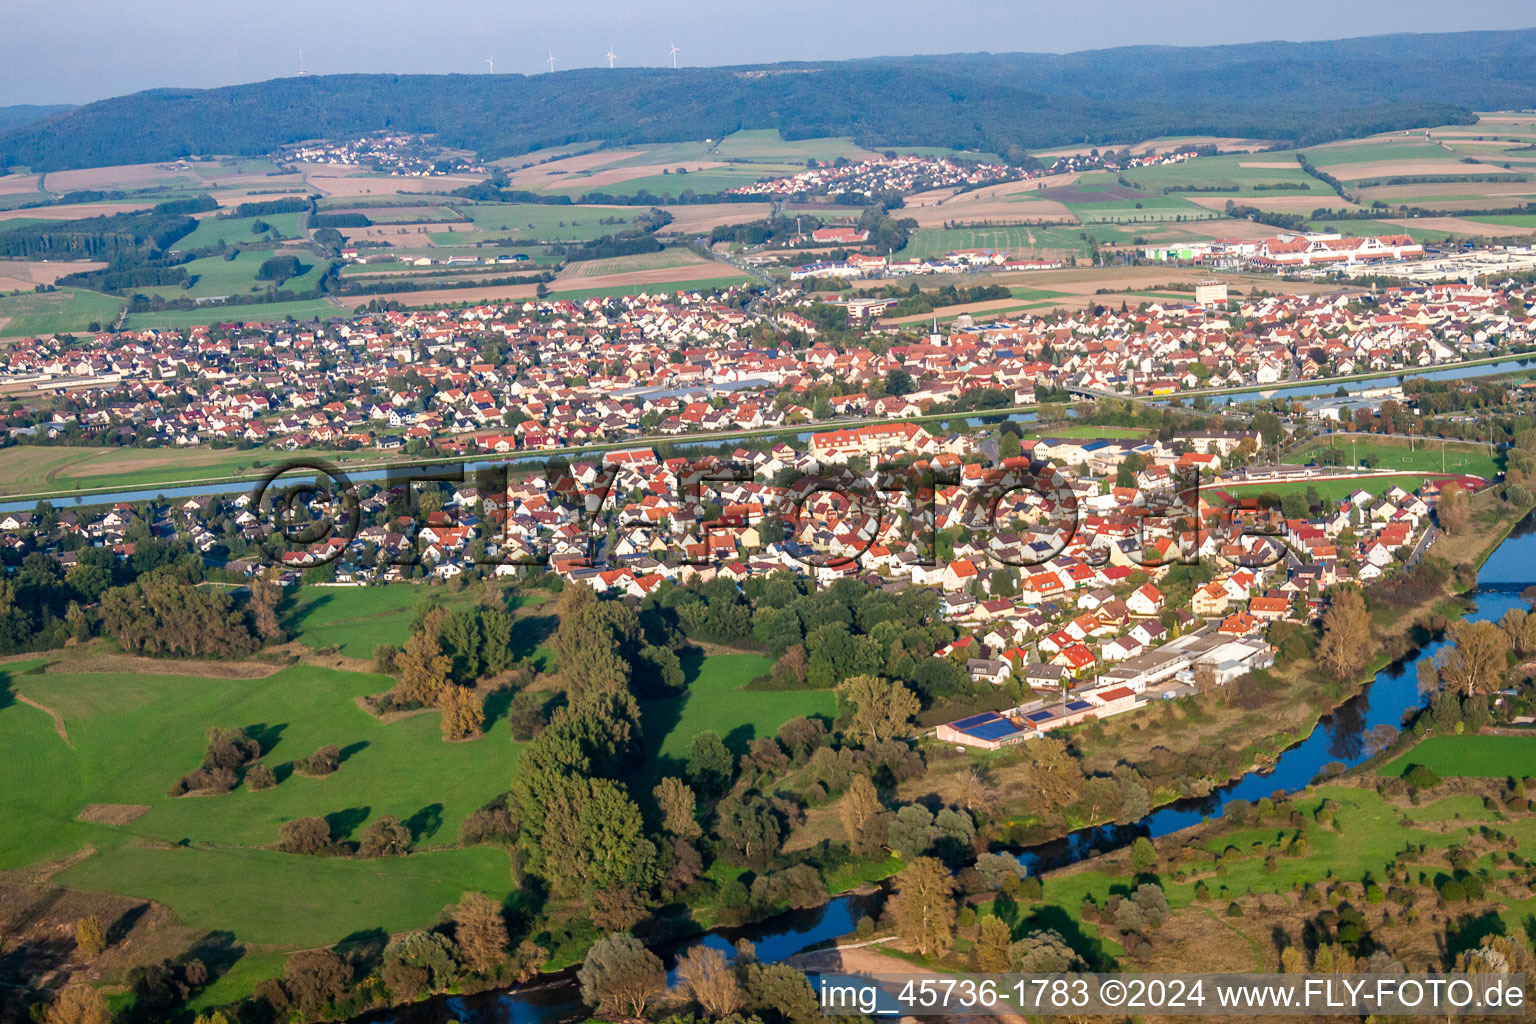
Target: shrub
<point>304,835</point>
<point>321,763</point>
<point>260,777</point>
<point>1421,777</point>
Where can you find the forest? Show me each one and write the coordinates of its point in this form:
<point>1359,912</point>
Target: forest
<point>1302,94</point>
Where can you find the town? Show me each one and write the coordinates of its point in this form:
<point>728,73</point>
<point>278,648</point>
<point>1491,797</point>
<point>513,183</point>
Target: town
<point>498,529</point>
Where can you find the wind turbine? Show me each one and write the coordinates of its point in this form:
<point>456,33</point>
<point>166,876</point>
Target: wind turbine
<point>674,54</point>
<point>610,57</point>
<point>490,64</point>
<point>550,60</point>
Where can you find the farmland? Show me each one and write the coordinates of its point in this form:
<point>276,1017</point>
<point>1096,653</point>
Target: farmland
<point>218,276</point>
<point>264,312</point>
<point>213,231</point>
<point>37,313</point>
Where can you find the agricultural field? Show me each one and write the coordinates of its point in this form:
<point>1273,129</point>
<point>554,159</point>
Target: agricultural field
<point>263,312</point>
<point>30,314</point>
<point>768,145</point>
<point>1422,457</point>
<point>1237,176</point>
<point>704,181</point>
<point>213,230</point>
<point>218,276</point>
<point>33,469</point>
<point>1486,757</point>
<point>132,735</point>
<point>703,285</point>
<point>665,259</point>
<point>536,222</point>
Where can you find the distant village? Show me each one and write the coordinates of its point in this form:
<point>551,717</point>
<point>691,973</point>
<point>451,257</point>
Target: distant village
<point>547,374</point>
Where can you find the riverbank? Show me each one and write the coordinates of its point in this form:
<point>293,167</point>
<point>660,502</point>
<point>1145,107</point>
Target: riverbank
<point>1191,747</point>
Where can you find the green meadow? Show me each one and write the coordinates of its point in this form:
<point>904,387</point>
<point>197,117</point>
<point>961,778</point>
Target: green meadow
<point>1487,757</point>
<point>30,314</point>
<point>260,312</point>
<point>211,231</point>
<point>132,735</point>
<point>537,222</point>
<point>716,702</point>
<point>1426,457</point>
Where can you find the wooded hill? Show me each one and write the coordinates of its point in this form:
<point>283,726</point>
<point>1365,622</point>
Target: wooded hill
<point>1302,93</point>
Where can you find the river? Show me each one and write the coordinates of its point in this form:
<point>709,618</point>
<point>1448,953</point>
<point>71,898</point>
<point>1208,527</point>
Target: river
<point>1341,736</point>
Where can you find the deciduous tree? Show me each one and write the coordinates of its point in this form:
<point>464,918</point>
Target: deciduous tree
<point>621,976</point>
<point>1346,644</point>
<point>1475,660</point>
<point>463,713</point>
<point>90,937</point>
<point>678,808</point>
<point>385,837</point>
<point>923,908</point>
<point>877,710</point>
<point>480,929</point>
<point>859,807</point>
<point>710,980</point>
<point>79,1004</point>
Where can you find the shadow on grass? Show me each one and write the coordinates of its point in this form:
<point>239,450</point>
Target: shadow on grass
<point>1059,921</point>
<point>118,930</point>
<point>364,948</point>
<point>352,748</point>
<point>425,823</point>
<point>496,705</point>
<point>266,735</point>
<point>344,823</point>
<point>529,632</point>
<point>292,613</point>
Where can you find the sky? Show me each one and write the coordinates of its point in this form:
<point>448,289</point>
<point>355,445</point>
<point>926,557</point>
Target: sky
<point>75,51</point>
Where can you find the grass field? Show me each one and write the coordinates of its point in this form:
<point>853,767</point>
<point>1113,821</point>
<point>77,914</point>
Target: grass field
<point>675,256</point>
<point>1229,174</point>
<point>263,312</point>
<point>217,277</point>
<point>1332,490</point>
<point>28,469</point>
<point>703,285</point>
<point>768,145</point>
<point>715,702</point>
<point>1508,220</point>
<point>357,619</point>
<point>1487,757</point>
<point>1421,457</point>
<point>705,182</point>
<point>1410,147</point>
<point>212,230</point>
<point>29,314</point>
<point>132,735</point>
<point>537,222</point>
